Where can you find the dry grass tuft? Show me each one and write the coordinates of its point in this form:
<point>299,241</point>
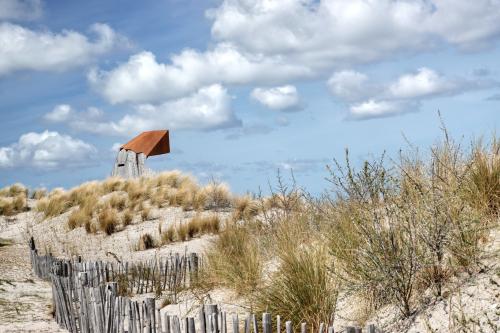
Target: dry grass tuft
<point>118,201</point>
<point>39,193</point>
<point>234,261</point>
<point>245,208</point>
<point>54,205</point>
<point>168,236</point>
<point>203,225</point>
<point>302,289</point>
<point>13,200</point>
<point>127,217</point>
<point>217,196</point>
<point>79,217</point>
<point>146,242</point>
<point>108,220</point>
<point>485,177</point>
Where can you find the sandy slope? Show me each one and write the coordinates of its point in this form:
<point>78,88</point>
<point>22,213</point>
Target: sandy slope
<point>25,301</point>
<point>469,303</point>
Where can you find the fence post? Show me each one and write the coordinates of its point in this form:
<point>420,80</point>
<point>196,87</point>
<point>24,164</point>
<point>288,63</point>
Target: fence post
<point>192,328</point>
<point>212,311</point>
<point>236,328</point>
<point>266,322</point>
<point>288,327</point>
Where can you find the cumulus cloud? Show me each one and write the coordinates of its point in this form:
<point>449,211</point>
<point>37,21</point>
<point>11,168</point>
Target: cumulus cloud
<point>80,120</point>
<point>20,9</point>
<point>268,43</point>
<point>379,109</point>
<point>283,98</point>
<point>350,85</point>
<point>60,113</point>
<point>144,80</point>
<point>46,150</point>
<point>207,109</point>
<point>367,99</point>
<point>355,30</point>
<point>425,82</point>
<point>25,49</point>
<point>249,130</point>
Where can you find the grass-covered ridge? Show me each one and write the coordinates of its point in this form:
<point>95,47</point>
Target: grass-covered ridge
<point>115,203</point>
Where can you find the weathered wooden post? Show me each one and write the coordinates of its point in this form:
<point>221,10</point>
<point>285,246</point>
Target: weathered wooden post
<point>266,322</point>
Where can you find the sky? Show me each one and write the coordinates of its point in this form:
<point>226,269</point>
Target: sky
<point>245,88</point>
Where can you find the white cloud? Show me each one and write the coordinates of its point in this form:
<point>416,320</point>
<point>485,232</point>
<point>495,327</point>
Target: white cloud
<point>60,113</point>
<point>349,85</point>
<point>46,150</point>
<point>207,109</point>
<point>115,147</point>
<point>80,120</point>
<point>266,42</point>
<point>378,109</point>
<point>367,99</point>
<point>284,98</point>
<point>25,49</point>
<point>425,82</point>
<point>355,30</point>
<point>143,80</point>
<point>20,9</point>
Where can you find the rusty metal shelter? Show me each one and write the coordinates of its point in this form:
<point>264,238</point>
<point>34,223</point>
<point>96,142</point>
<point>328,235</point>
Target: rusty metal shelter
<point>131,158</point>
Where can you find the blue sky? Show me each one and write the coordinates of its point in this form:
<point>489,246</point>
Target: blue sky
<point>245,87</point>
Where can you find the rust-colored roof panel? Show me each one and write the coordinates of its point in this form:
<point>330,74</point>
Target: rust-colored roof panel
<point>150,143</point>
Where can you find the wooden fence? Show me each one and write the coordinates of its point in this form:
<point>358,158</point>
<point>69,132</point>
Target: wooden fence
<point>90,302</point>
<point>171,273</point>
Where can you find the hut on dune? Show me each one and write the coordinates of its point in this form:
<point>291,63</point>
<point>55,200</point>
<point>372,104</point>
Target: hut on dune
<point>131,158</point>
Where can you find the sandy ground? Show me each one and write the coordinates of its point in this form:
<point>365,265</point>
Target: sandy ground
<point>471,303</point>
<point>25,301</point>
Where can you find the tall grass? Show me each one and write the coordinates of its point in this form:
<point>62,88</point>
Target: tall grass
<point>234,261</point>
<point>302,289</point>
<point>485,176</point>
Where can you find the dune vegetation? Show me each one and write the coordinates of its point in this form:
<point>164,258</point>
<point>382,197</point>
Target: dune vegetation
<point>387,233</point>
<point>112,204</point>
<point>394,231</point>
